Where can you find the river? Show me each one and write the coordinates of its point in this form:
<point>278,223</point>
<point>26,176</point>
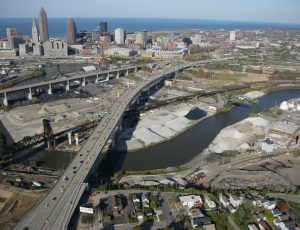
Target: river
<point>176,151</point>
<point>187,145</point>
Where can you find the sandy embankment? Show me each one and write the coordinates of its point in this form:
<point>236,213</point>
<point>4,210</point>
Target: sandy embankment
<point>163,124</point>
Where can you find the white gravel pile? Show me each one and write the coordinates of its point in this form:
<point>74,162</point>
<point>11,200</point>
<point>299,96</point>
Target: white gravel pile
<point>254,94</point>
<point>147,136</point>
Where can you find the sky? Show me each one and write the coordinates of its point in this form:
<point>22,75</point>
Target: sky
<point>284,11</point>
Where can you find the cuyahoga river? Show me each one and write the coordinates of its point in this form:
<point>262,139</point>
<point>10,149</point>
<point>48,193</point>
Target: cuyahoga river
<point>178,150</point>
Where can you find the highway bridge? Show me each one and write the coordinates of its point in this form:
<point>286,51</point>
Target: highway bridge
<point>94,76</point>
<point>55,210</point>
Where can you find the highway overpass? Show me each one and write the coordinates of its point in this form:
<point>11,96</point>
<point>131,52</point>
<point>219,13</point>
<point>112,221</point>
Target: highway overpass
<point>57,207</point>
<point>94,76</point>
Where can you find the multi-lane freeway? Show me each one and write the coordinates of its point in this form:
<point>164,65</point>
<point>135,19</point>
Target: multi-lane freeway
<point>57,207</point>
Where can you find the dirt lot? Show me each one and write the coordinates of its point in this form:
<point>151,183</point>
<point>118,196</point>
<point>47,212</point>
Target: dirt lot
<point>14,203</point>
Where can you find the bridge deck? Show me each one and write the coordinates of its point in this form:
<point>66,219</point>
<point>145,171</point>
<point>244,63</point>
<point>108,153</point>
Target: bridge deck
<point>64,196</point>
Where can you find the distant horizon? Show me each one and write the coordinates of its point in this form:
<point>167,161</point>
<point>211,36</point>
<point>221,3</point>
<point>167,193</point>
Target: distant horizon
<point>160,18</point>
<point>267,11</point>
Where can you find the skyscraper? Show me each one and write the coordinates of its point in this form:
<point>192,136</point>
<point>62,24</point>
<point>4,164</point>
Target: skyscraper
<point>103,27</point>
<point>232,36</point>
<point>43,26</point>
<point>119,36</point>
<point>71,31</point>
<point>35,32</point>
<point>10,32</point>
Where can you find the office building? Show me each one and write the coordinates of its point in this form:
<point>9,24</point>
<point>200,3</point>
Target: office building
<point>16,41</point>
<point>119,36</point>
<point>24,49</point>
<point>141,38</point>
<point>103,27</point>
<point>35,32</point>
<point>71,31</point>
<point>10,32</point>
<point>43,26</point>
<point>232,36</point>
<point>55,48</point>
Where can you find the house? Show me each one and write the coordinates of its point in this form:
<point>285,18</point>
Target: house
<point>145,201</point>
<point>276,212</point>
<point>195,213</point>
<point>258,217</point>
<point>263,225</point>
<point>148,212</point>
<point>281,218</point>
<point>140,216</point>
<point>252,227</point>
<point>201,221</point>
<point>259,201</point>
<point>136,198</point>
<point>235,201</point>
<point>231,209</point>
<point>191,201</point>
<point>270,204</point>
<point>209,203</point>
<point>224,200</point>
<point>287,225</point>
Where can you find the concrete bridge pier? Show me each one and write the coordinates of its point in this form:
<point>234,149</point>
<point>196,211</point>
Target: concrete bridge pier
<point>30,95</point>
<point>97,79</point>
<point>118,74</point>
<point>5,99</point>
<point>68,86</point>
<point>83,82</point>
<point>50,89</point>
<point>107,77</point>
<point>70,138</point>
<point>135,69</point>
<point>127,72</point>
<point>76,139</point>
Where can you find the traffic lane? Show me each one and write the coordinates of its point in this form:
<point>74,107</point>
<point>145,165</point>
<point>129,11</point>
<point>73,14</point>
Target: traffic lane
<point>167,210</point>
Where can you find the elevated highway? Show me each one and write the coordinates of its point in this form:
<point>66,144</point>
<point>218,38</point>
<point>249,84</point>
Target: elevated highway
<point>57,207</point>
<point>95,76</point>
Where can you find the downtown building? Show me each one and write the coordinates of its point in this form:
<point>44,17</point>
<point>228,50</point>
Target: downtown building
<point>43,26</point>
<point>71,31</point>
<point>120,36</point>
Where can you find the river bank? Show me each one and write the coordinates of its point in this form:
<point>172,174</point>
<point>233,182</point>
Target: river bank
<point>228,163</point>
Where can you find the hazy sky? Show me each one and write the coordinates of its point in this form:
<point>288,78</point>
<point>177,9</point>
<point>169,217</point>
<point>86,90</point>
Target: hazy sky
<point>237,10</point>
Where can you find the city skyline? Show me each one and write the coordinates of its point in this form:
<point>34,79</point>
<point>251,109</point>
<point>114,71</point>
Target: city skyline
<point>256,11</point>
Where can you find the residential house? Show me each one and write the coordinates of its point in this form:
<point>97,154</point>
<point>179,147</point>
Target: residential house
<point>281,218</point>
<point>201,222</point>
<point>263,225</point>
<point>195,213</point>
<point>270,204</point>
<point>224,200</point>
<point>231,209</point>
<point>140,216</point>
<point>276,212</point>
<point>287,225</point>
<point>191,201</point>
<point>145,201</point>
<point>148,212</point>
<point>209,203</point>
<point>235,201</point>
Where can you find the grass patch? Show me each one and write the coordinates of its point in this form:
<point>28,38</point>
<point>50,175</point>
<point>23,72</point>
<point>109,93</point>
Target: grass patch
<point>220,220</point>
<point>229,76</point>
<point>87,219</point>
<point>295,206</point>
<point>243,216</point>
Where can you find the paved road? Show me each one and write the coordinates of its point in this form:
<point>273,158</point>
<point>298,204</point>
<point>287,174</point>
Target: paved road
<point>58,206</point>
<point>77,76</point>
